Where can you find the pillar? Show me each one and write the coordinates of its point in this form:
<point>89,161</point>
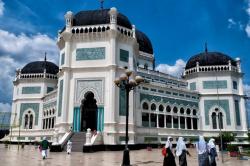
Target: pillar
<point>185,122</point>
<point>165,121</point>
<point>157,120</point>
<point>179,122</point>
<point>192,127</point>
<point>172,121</point>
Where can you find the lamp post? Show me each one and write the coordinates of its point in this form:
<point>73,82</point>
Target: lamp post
<point>126,83</point>
<point>221,145</point>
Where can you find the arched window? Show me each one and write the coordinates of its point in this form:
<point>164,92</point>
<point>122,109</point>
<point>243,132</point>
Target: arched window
<point>31,122</point>
<point>145,106</point>
<point>175,110</point>
<point>182,110</point>
<point>221,120</point>
<point>168,108</point>
<point>161,108</point>
<point>194,112</point>
<point>188,111</point>
<point>26,118</point>
<point>153,107</point>
<point>214,121</point>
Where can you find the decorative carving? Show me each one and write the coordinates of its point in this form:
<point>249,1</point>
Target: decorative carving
<point>95,86</point>
<point>90,53</point>
<point>209,104</point>
<point>32,106</point>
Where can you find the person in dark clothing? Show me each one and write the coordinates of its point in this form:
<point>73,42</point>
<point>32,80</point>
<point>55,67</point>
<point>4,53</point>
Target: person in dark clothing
<point>169,159</point>
<point>44,146</point>
<point>181,152</point>
<point>212,152</point>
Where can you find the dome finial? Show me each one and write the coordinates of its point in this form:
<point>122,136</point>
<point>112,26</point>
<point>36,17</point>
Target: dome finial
<point>205,47</point>
<point>45,58</point>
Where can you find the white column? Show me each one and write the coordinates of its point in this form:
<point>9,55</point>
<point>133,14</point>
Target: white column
<point>149,120</point>
<point>192,127</point>
<point>157,120</point>
<point>172,121</point>
<point>165,121</point>
<point>179,122</point>
<point>185,122</point>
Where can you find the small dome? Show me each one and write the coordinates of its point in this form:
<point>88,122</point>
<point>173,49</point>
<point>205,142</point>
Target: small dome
<point>144,42</point>
<point>38,67</point>
<point>209,59</point>
<point>95,17</point>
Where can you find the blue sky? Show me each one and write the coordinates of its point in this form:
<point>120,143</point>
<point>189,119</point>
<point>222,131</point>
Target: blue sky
<point>177,29</point>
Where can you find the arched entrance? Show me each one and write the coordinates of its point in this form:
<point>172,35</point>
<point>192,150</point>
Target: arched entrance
<point>88,112</point>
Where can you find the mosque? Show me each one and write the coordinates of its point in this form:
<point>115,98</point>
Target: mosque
<point>62,102</point>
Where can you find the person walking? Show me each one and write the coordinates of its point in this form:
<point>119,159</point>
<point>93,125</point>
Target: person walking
<point>69,146</point>
<point>181,151</point>
<point>44,146</point>
<point>201,148</point>
<point>169,159</point>
<point>212,152</point>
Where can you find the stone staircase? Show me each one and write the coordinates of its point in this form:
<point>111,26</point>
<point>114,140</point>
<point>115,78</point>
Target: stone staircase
<point>78,140</point>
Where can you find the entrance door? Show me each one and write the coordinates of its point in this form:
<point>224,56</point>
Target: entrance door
<point>88,112</point>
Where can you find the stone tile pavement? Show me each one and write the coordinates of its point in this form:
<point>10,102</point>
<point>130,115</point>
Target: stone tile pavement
<point>30,156</point>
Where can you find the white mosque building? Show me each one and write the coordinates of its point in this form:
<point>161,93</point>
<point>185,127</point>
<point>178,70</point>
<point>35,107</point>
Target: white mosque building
<point>95,46</point>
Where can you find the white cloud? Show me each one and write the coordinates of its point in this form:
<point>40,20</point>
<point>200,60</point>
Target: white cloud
<point>1,7</point>
<point>231,23</point>
<point>235,24</point>
<point>5,107</point>
<point>247,90</point>
<point>247,29</point>
<point>175,70</point>
<point>18,50</point>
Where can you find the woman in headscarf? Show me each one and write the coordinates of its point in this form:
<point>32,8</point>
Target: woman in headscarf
<point>169,159</point>
<point>212,152</point>
<point>201,148</point>
<point>181,152</point>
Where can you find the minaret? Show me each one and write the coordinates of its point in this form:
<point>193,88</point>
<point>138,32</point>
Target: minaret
<point>69,20</point>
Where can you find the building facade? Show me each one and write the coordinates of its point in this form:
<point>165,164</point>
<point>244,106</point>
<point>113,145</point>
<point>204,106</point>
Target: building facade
<point>95,48</point>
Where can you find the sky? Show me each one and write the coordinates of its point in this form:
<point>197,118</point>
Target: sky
<point>177,30</point>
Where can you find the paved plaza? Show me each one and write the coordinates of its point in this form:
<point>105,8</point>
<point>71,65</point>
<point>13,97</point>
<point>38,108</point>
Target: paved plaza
<point>30,156</point>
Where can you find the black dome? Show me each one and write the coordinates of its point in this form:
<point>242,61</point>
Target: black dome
<point>144,42</point>
<point>38,67</point>
<point>95,17</point>
<point>209,59</point>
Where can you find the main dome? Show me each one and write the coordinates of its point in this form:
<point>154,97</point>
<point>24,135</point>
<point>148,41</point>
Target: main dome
<point>209,59</point>
<point>39,66</point>
<point>95,17</point>
<point>144,42</point>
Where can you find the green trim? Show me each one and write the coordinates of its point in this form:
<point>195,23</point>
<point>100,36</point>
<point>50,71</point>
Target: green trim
<point>60,98</point>
<point>31,90</point>
<point>122,102</point>
<point>209,104</point>
<point>49,105</point>
<point>49,89</point>
<point>90,53</point>
<point>150,139</point>
<point>193,86</point>
<point>237,112</point>
<point>167,99</point>
<point>20,138</point>
<point>124,55</point>
<point>31,138</point>
<point>62,58</point>
<point>32,106</point>
<point>221,84</point>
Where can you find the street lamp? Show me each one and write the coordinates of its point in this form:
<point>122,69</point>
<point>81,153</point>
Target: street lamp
<point>126,83</point>
<point>219,120</point>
